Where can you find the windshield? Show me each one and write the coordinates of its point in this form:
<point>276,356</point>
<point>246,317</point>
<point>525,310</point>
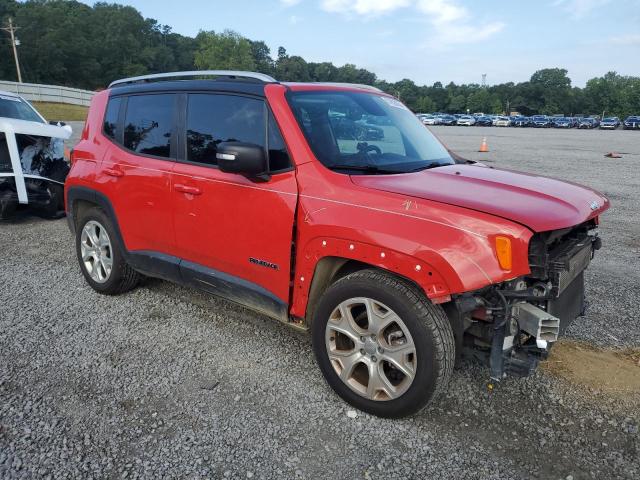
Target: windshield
<point>365,133</point>
<point>14,107</point>
<point>610,119</point>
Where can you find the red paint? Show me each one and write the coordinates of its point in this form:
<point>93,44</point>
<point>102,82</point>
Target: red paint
<point>540,203</point>
<point>436,227</point>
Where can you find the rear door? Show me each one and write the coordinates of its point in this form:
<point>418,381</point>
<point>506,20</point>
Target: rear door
<point>230,230</point>
<point>135,172</point>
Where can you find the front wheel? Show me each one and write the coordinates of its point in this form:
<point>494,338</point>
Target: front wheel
<point>381,345</point>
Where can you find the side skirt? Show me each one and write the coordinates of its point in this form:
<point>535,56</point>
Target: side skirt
<point>220,284</point>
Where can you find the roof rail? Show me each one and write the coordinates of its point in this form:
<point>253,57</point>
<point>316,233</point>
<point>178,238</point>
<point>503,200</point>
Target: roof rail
<point>341,84</point>
<point>197,73</point>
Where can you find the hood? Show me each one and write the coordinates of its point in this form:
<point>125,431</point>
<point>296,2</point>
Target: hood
<point>540,203</point>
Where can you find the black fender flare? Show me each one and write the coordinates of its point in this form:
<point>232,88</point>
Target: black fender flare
<point>76,194</point>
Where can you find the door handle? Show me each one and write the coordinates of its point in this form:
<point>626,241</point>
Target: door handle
<point>113,172</point>
<point>187,189</point>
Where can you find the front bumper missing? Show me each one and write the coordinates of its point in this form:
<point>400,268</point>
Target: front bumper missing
<point>512,326</point>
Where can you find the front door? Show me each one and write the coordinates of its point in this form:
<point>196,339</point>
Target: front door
<point>233,234</point>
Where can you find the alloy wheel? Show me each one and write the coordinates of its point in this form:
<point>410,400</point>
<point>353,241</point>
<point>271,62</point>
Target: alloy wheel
<point>96,251</point>
<point>371,349</point>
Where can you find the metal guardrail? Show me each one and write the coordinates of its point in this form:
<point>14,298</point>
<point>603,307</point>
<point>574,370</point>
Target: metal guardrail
<point>48,93</point>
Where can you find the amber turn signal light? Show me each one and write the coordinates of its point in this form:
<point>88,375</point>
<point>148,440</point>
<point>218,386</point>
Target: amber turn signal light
<point>503,251</point>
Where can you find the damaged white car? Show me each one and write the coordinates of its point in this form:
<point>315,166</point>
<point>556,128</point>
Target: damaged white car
<point>33,166</point>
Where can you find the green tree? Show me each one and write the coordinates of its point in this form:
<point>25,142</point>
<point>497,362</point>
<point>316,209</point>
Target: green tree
<point>553,86</point>
<point>223,51</point>
<point>262,57</point>
<point>457,103</point>
<point>425,105</point>
<point>292,69</point>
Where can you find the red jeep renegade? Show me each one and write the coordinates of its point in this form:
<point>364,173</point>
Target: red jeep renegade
<point>331,208</point>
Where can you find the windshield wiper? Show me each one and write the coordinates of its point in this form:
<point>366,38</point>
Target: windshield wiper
<point>382,170</point>
<point>431,165</point>
<point>364,168</point>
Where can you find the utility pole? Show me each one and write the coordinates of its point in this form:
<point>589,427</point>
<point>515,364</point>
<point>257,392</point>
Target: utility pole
<point>11,29</point>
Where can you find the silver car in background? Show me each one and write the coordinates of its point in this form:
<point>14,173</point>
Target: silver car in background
<point>466,120</point>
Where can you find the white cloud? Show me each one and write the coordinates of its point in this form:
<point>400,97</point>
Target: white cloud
<point>451,22</point>
<point>628,39</point>
<point>294,19</point>
<point>443,12</point>
<point>363,7</point>
<point>580,8</point>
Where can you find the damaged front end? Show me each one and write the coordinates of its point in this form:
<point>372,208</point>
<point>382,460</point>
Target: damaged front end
<point>33,167</point>
<point>511,326</point>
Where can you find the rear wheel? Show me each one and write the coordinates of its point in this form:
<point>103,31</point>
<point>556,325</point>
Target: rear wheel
<point>101,259</point>
<point>381,345</point>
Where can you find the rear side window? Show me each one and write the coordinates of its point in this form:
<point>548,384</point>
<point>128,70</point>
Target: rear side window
<point>148,124</point>
<point>110,126</point>
<point>212,119</point>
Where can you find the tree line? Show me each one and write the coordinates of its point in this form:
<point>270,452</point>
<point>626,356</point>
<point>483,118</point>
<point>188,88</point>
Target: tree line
<point>65,42</point>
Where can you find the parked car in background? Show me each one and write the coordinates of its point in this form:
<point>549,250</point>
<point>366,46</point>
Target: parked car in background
<point>484,121</point>
<point>588,123</point>
<point>521,121</point>
<point>502,121</point>
<point>609,123</point>
<point>395,256</point>
<point>466,120</point>
<point>541,121</point>
<point>563,122</point>
<point>431,120</point>
<point>448,120</point>
<point>632,123</point>
<point>33,167</point>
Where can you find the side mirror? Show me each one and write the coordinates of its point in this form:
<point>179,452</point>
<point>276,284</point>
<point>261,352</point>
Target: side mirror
<point>244,158</point>
<point>64,125</point>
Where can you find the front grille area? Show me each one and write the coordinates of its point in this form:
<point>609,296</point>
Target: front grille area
<point>570,304</point>
<point>561,256</point>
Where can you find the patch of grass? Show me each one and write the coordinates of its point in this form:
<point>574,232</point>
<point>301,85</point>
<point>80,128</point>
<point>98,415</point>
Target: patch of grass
<point>61,111</point>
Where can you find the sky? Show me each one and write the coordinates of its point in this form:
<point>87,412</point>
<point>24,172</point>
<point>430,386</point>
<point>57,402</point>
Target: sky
<point>429,40</point>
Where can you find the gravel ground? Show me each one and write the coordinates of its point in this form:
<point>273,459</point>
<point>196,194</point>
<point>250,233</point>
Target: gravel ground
<point>167,382</point>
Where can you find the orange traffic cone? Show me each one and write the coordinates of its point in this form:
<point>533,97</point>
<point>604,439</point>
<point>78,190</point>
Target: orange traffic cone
<point>483,146</point>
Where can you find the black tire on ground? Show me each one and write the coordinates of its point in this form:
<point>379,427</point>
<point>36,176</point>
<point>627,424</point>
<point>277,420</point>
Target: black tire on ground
<point>123,278</point>
<point>7,205</point>
<point>427,323</point>
<point>55,207</point>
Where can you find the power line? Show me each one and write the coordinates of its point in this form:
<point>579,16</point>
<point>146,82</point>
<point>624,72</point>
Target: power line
<point>14,42</point>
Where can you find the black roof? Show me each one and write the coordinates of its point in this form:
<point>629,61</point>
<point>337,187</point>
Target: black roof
<point>242,86</point>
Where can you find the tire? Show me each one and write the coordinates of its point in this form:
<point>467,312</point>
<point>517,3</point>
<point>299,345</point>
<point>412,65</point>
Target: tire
<point>7,205</point>
<point>55,208</point>
<point>423,329</point>
<point>120,277</point>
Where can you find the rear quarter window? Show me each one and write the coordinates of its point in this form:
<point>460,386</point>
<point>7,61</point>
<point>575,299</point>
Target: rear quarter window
<point>110,124</point>
<point>148,124</point>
